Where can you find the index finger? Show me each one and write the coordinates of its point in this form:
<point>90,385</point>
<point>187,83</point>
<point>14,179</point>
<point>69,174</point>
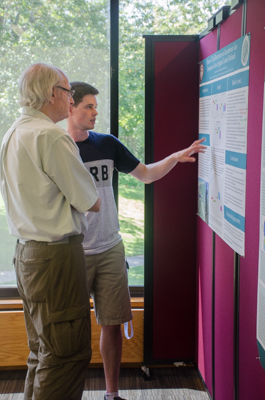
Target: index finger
<point>199,141</point>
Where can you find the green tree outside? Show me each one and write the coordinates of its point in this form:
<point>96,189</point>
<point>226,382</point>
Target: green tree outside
<point>74,36</point>
<point>138,18</point>
<point>71,34</point>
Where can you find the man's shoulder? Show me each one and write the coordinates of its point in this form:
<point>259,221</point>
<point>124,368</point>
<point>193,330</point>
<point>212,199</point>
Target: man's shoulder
<point>45,134</point>
<point>102,136</point>
<point>42,127</point>
<point>99,141</point>
<point>98,147</point>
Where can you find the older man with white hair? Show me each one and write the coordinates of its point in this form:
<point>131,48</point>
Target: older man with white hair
<point>46,190</point>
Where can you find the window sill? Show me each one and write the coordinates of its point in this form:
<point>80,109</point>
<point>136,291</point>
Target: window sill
<point>17,304</point>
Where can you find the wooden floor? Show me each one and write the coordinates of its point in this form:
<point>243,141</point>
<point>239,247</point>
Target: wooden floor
<point>165,383</point>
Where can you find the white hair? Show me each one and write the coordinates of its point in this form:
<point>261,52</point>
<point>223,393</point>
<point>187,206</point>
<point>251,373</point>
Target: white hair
<point>36,83</point>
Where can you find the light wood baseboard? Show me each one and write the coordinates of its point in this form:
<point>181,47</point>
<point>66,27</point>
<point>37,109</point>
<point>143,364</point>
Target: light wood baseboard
<point>13,338</point>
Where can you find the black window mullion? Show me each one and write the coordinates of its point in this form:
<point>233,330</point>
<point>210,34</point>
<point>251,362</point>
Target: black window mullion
<point>114,81</point>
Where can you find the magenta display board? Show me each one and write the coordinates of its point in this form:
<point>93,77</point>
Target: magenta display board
<point>174,269</point>
<point>224,258</point>
<point>204,301</point>
<point>208,46</point>
<point>249,364</point>
<point>179,243</point>
<point>251,373</point>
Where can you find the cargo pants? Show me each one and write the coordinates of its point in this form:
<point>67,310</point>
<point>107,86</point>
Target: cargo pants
<point>52,282</point>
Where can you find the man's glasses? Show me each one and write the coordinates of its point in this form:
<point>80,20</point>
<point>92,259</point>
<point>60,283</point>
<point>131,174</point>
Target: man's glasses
<point>70,91</point>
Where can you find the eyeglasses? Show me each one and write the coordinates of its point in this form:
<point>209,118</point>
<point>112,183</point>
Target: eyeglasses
<point>70,91</point>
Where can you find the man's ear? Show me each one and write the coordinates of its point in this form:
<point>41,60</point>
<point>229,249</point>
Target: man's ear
<point>52,99</point>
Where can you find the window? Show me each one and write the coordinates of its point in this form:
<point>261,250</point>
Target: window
<point>136,19</point>
<point>74,36</point>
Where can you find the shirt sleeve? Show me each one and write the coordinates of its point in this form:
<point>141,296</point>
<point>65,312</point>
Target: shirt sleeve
<point>124,161</point>
<point>63,165</point>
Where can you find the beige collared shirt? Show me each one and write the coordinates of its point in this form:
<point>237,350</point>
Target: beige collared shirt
<point>44,184</point>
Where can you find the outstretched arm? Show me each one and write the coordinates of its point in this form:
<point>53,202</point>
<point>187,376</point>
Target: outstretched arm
<point>152,172</point>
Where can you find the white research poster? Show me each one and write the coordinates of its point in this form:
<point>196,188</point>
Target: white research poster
<point>223,112</point>
<point>261,275</point>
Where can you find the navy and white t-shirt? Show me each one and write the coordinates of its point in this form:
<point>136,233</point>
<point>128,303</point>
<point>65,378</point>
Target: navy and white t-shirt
<point>101,153</point>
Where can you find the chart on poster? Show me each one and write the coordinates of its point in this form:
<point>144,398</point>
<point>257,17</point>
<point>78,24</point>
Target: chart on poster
<point>223,113</point>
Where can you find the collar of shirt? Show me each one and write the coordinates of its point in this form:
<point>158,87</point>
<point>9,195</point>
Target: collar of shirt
<point>33,112</point>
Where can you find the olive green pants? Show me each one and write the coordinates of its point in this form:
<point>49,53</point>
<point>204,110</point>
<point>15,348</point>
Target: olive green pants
<point>52,283</point>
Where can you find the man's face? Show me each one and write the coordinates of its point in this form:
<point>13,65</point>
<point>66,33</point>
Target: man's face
<point>84,115</point>
<point>63,98</point>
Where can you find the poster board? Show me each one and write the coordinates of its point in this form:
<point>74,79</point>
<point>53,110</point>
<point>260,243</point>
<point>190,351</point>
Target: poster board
<point>223,113</point>
<point>261,273</point>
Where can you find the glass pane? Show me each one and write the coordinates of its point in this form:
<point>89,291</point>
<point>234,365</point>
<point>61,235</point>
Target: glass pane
<point>138,18</point>
<point>72,35</point>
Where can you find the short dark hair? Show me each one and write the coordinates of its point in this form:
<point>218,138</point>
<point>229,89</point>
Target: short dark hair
<point>82,89</point>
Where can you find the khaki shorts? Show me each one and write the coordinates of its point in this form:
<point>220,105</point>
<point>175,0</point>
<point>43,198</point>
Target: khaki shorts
<point>108,286</point>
